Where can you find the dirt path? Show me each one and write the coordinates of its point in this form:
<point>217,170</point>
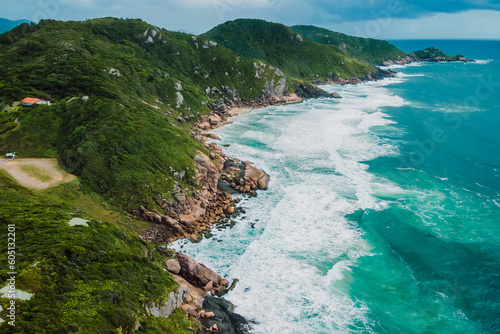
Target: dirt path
<point>48,166</point>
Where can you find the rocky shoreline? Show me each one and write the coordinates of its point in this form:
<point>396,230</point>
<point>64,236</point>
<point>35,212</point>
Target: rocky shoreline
<point>428,55</point>
<point>191,215</point>
<point>379,75</point>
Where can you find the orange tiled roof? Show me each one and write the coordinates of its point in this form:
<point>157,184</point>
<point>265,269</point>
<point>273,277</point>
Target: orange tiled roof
<point>31,100</point>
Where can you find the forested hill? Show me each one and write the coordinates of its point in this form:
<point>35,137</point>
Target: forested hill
<point>373,51</point>
<point>295,54</point>
<point>123,93</point>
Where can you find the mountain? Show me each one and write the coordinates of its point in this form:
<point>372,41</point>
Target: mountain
<point>296,55</point>
<point>124,94</point>
<point>6,25</point>
<point>370,50</point>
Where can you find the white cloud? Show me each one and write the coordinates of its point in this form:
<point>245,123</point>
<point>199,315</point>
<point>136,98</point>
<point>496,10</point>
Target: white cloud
<point>229,3</point>
<point>471,24</point>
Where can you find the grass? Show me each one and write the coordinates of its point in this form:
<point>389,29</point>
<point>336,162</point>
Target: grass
<point>36,172</point>
<point>92,204</point>
<point>94,279</point>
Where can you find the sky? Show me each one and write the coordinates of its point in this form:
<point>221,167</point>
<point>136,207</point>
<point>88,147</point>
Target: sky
<point>391,19</point>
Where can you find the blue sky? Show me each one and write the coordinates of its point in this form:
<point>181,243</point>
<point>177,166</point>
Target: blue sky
<point>392,19</point>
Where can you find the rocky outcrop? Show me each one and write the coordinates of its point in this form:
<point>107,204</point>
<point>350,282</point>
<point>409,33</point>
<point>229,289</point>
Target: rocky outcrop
<point>195,273</point>
<point>309,91</point>
<point>175,300</point>
<point>345,81</point>
<point>187,216</point>
<point>429,55</point>
<point>196,282</point>
<point>242,177</point>
<point>435,55</point>
<point>224,318</point>
<point>398,61</point>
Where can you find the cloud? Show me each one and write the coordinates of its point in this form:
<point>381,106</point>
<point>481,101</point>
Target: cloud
<point>229,3</point>
<point>379,18</point>
<point>357,10</point>
<point>471,24</point>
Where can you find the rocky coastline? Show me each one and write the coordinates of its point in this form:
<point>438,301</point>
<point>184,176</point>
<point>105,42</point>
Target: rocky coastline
<point>191,215</point>
<point>379,75</point>
<point>432,55</point>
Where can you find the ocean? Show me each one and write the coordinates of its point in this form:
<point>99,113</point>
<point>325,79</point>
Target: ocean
<point>383,209</point>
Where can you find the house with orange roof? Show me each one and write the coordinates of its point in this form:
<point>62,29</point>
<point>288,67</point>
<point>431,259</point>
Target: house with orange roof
<point>29,101</point>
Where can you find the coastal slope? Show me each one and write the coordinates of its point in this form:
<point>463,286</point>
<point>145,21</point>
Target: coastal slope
<point>296,55</point>
<point>373,51</point>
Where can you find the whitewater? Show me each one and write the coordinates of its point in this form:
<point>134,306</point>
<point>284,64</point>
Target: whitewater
<point>370,224</point>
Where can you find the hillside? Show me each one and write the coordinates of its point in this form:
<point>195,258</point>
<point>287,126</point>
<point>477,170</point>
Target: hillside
<point>96,278</point>
<point>124,94</point>
<point>370,50</point>
<point>296,55</point>
<point>6,25</point>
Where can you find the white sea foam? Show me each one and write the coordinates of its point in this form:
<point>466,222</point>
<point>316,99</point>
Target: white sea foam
<point>407,75</point>
<point>482,61</point>
<point>294,249</point>
<point>396,66</point>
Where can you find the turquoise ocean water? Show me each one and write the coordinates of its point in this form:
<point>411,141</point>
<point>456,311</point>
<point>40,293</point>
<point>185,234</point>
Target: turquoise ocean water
<point>383,210</point>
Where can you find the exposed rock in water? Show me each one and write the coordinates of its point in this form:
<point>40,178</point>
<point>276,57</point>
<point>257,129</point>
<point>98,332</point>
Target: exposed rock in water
<point>310,91</point>
<point>242,177</point>
<point>196,280</point>
<point>226,320</point>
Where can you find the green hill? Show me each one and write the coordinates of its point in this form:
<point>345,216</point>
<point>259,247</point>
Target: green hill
<point>86,279</point>
<point>296,55</point>
<point>144,86</point>
<point>6,25</point>
<point>370,50</point>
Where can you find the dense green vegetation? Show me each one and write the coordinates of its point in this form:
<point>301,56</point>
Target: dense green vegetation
<point>373,51</point>
<point>129,137</point>
<point>432,54</point>
<point>93,279</point>
<point>296,55</point>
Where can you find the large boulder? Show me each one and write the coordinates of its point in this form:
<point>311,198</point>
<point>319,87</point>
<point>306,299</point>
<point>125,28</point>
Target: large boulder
<point>196,273</point>
<point>256,177</point>
<point>226,320</point>
<point>173,266</point>
<point>210,172</point>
